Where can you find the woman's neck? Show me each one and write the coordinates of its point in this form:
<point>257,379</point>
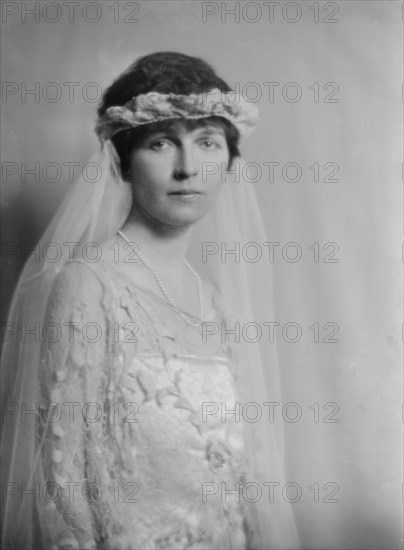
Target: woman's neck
<point>163,247</point>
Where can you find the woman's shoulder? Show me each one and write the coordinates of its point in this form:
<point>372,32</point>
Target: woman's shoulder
<point>80,280</point>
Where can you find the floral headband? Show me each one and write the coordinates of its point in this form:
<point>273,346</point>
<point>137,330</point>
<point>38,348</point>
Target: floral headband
<point>154,107</point>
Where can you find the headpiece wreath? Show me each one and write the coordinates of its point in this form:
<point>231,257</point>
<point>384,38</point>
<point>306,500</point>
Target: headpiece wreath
<point>154,107</point>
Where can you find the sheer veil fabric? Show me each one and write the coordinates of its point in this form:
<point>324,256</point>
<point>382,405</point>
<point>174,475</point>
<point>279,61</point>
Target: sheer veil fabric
<point>93,212</point>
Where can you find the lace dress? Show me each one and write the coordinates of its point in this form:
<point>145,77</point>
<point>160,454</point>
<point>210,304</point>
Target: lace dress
<point>136,446</point>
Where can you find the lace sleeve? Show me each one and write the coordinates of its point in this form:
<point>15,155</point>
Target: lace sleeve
<point>72,363</point>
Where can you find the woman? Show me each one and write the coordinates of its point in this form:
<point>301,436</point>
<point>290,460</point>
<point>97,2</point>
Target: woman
<point>139,439</point>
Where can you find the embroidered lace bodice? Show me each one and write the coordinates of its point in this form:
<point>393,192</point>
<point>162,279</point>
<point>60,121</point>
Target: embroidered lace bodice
<point>137,450</point>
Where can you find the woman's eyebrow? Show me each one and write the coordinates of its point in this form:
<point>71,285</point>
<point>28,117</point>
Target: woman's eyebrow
<point>211,130</point>
<point>173,134</point>
<point>159,133</point>
<point>162,134</point>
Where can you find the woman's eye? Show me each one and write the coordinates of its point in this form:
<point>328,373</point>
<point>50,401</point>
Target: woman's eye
<point>158,145</point>
<point>209,144</point>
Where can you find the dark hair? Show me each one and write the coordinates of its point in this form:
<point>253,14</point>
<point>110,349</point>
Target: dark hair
<point>165,72</point>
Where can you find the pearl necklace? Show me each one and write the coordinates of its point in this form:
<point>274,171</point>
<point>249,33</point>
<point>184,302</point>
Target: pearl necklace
<point>164,291</point>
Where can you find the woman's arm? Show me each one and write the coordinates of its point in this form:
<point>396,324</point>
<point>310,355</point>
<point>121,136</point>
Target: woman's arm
<point>72,363</point>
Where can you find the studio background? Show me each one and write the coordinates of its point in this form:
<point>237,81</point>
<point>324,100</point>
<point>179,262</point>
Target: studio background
<point>359,133</point>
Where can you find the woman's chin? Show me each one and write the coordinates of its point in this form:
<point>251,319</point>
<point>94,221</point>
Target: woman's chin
<point>185,216</point>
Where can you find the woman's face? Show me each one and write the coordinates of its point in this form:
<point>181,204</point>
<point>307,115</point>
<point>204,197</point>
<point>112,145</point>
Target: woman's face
<point>176,173</point>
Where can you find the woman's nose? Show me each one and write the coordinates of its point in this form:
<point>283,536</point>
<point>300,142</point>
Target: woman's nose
<point>186,163</point>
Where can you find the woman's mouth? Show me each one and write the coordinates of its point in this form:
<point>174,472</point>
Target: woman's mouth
<point>185,195</point>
